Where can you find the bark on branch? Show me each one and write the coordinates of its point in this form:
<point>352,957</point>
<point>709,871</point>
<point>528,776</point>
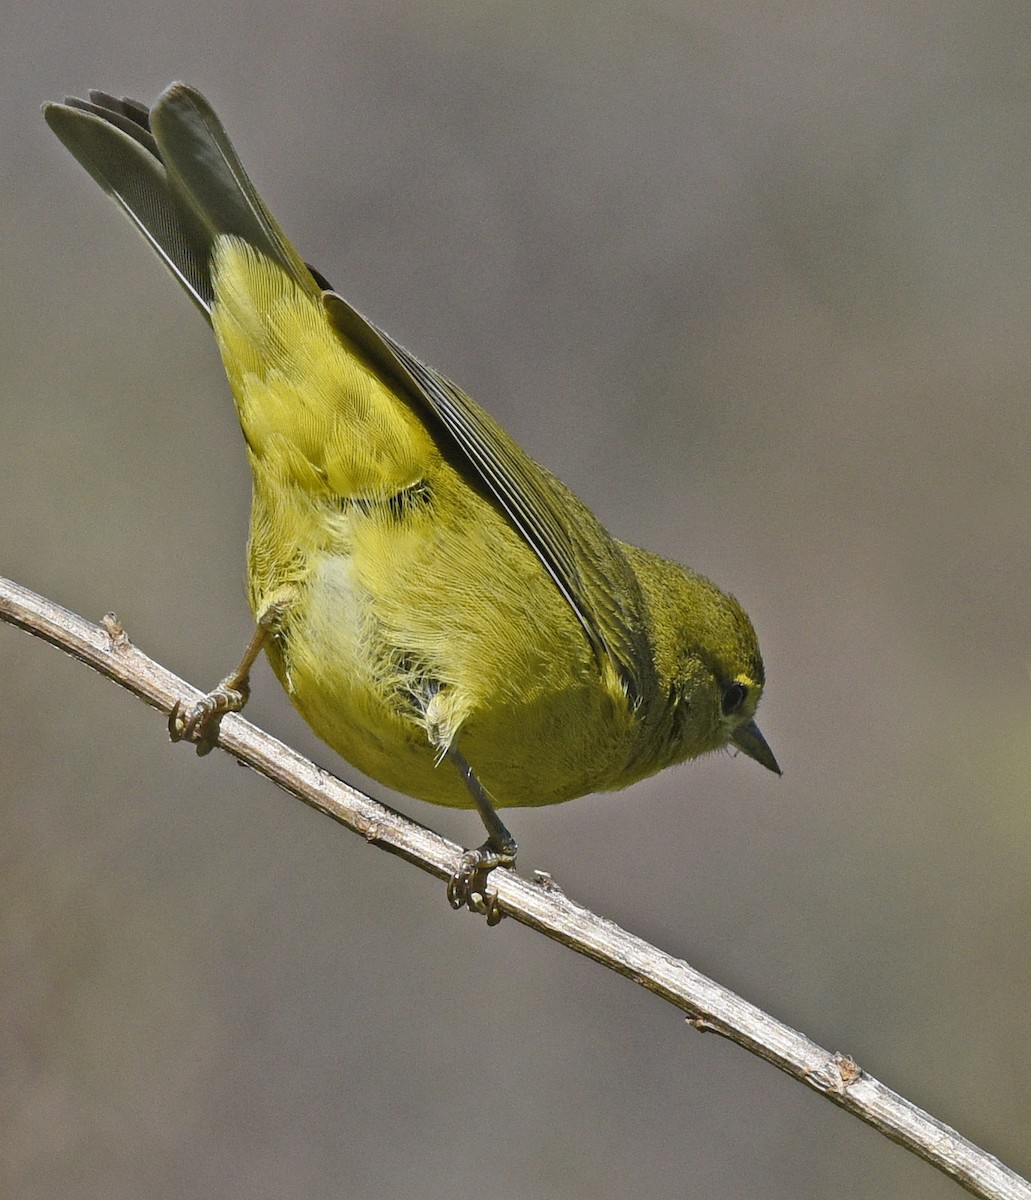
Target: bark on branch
<point>537,903</point>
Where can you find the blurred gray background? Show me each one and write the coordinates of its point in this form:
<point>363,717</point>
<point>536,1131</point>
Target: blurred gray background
<point>754,280</point>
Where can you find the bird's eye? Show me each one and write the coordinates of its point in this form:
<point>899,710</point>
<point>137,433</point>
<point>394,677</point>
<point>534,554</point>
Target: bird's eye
<point>733,697</point>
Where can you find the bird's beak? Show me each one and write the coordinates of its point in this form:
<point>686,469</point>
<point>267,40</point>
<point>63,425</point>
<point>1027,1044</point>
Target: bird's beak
<point>750,741</point>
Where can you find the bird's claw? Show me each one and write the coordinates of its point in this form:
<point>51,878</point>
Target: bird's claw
<point>200,722</point>
<point>468,886</point>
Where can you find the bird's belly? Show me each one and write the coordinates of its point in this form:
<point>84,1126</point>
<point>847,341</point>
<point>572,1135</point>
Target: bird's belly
<point>533,732</point>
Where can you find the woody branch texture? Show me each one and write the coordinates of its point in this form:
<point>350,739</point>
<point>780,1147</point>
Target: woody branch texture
<point>537,903</point>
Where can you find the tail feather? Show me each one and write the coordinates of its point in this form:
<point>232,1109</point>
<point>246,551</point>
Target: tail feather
<point>130,116</point>
<point>124,158</point>
<point>173,171</point>
<point>202,162</point>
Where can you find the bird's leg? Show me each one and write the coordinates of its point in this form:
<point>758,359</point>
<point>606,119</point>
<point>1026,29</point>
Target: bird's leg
<point>200,722</point>
<point>468,885</point>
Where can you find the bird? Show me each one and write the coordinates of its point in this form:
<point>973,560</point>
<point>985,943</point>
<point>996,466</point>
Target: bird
<point>444,612</point>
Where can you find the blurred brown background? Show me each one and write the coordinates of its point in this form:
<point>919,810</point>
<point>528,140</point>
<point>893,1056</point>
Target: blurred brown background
<point>754,280</point>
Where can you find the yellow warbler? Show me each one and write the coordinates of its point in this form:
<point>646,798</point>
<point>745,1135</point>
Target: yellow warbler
<point>442,611</point>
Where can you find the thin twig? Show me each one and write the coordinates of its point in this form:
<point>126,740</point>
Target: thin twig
<point>539,904</point>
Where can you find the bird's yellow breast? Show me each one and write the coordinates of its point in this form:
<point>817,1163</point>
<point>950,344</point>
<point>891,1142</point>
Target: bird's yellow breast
<point>412,610</point>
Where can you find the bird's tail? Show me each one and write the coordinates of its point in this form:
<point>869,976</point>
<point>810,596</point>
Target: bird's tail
<point>175,174</point>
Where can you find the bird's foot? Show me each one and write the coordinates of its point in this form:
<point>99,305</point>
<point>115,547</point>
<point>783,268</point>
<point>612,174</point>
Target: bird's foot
<point>200,722</point>
<point>468,886</point>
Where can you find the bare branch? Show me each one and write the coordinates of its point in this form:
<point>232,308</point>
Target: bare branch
<point>538,904</point>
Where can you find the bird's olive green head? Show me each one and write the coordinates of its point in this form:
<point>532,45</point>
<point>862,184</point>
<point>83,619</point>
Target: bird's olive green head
<point>709,669</point>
